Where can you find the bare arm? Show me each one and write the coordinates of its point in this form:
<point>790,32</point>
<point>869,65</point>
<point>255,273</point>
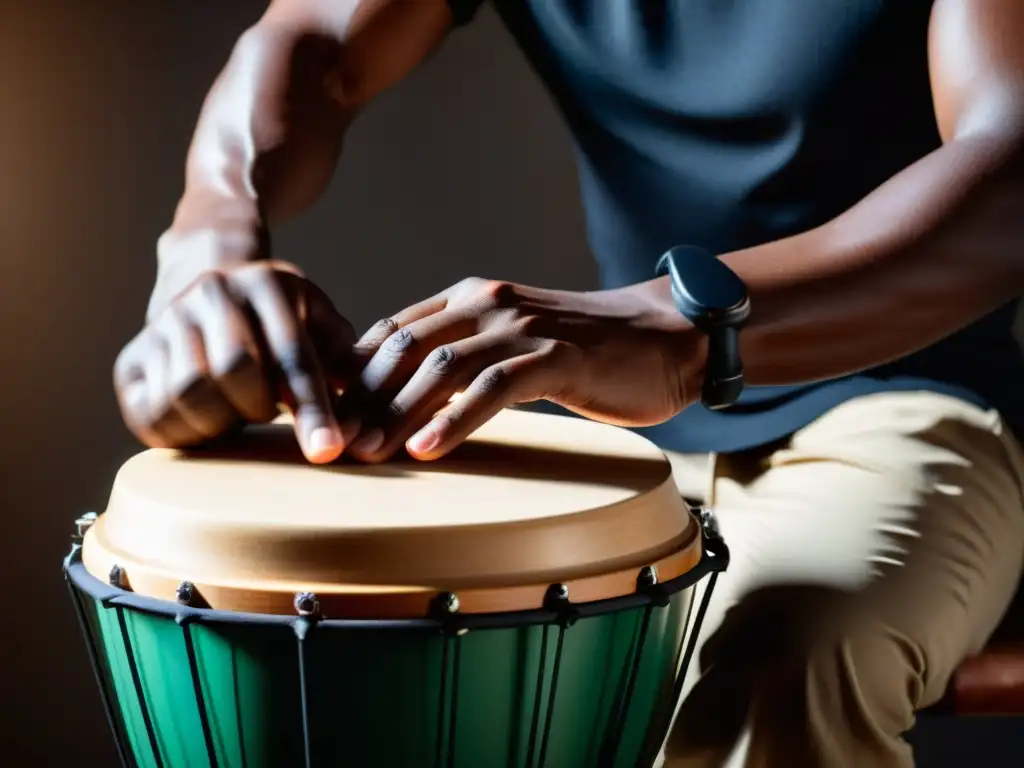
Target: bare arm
<point>271,129</point>
<point>928,252</point>
<point>934,248</point>
<point>229,332</point>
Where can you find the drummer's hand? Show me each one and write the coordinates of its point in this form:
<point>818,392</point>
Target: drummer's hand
<point>624,357</point>
<point>224,346</point>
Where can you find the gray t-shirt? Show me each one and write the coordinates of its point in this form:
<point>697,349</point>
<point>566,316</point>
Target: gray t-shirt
<point>730,124</point>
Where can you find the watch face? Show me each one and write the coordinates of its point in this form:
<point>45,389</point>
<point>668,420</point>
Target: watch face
<point>704,289</point>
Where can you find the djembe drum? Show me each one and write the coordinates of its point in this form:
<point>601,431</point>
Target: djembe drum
<point>526,601</point>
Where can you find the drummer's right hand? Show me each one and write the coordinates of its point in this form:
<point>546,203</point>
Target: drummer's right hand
<point>230,344</point>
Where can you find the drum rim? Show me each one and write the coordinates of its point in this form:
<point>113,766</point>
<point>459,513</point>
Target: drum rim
<point>714,559</point>
<point>249,561</point>
<point>395,601</point>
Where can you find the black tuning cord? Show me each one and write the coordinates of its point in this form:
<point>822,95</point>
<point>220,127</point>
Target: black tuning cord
<point>712,297</point>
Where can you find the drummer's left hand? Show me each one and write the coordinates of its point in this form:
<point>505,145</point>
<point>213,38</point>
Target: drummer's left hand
<point>623,357</point>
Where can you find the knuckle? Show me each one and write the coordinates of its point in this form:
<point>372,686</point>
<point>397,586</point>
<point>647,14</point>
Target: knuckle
<point>129,365</point>
<point>552,349</point>
<point>260,269</point>
<point>283,268</point>
<point>494,380</point>
<point>399,342</point>
<point>134,403</point>
<point>448,419</point>
<point>441,361</point>
<point>187,386</point>
<point>384,328</point>
<point>467,285</point>
<point>395,411</point>
<point>387,324</point>
<point>498,293</point>
<point>210,287</point>
<point>487,294</point>
<point>256,276</point>
<point>124,364</point>
<point>269,281</point>
<point>237,362</point>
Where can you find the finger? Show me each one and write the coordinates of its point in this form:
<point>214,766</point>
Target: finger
<point>134,400</point>
<point>191,389</point>
<point>533,376</point>
<point>293,355</point>
<point>162,418</point>
<point>333,339</point>
<point>128,366</point>
<point>391,366</point>
<point>404,351</point>
<point>332,333</point>
<point>232,351</point>
<point>132,391</point>
<point>382,329</point>
<point>446,370</point>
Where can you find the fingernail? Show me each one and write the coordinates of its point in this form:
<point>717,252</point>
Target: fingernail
<point>323,444</point>
<point>424,441</point>
<point>369,441</point>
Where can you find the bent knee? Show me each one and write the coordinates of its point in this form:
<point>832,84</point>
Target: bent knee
<point>866,671</point>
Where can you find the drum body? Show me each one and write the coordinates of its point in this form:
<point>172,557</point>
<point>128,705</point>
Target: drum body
<point>556,692</point>
<point>565,684</point>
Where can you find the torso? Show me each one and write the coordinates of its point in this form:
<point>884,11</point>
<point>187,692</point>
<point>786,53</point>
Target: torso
<point>729,123</point>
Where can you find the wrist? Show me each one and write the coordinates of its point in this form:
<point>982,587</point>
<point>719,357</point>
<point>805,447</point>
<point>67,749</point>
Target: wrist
<point>200,239</point>
<point>236,224</point>
<point>692,363</point>
<point>687,347</point>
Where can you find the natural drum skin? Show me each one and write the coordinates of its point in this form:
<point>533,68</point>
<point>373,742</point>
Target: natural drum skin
<point>523,602</point>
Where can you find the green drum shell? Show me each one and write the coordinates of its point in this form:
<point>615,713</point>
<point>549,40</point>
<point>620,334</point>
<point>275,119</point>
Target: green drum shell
<point>593,692</point>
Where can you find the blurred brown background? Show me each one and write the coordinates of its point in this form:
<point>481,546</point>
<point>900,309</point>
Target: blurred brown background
<point>463,170</point>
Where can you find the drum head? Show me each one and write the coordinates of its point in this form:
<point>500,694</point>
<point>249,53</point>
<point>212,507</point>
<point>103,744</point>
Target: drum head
<point>529,501</point>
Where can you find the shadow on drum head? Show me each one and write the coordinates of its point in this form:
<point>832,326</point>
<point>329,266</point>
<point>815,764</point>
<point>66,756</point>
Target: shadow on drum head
<point>275,443</point>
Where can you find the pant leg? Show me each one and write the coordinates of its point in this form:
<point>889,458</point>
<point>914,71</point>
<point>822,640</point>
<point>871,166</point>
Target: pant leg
<point>872,552</point>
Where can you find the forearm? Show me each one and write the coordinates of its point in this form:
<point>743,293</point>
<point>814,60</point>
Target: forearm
<point>267,137</point>
<point>927,253</point>
<point>270,131</point>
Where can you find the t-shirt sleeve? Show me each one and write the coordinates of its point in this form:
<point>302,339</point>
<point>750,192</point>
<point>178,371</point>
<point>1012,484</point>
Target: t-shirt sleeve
<point>463,11</point>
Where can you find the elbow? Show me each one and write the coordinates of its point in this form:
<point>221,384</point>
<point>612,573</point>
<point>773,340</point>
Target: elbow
<point>995,213</point>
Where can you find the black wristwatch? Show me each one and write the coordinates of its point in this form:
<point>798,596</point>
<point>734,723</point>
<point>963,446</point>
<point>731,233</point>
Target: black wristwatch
<point>712,297</point>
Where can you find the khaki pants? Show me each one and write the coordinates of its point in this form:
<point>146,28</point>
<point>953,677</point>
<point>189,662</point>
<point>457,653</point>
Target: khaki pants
<point>871,552</point>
